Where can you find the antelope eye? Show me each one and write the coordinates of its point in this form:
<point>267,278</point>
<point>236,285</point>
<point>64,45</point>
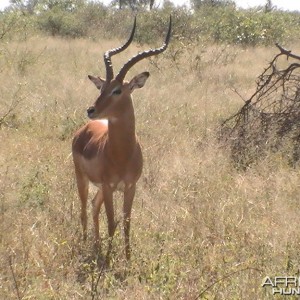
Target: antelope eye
<point>117,92</point>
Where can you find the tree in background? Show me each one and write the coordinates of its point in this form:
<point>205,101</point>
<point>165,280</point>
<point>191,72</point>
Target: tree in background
<point>197,4</point>
<point>269,6</point>
<point>26,6</point>
<point>33,6</point>
<point>133,4</point>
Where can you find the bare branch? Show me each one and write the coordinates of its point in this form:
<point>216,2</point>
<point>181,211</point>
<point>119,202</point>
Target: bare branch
<point>286,52</point>
<point>14,278</point>
<point>226,277</point>
<point>16,100</point>
<point>268,121</point>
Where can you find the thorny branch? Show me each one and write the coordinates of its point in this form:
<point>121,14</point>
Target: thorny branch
<point>12,107</point>
<point>14,278</point>
<point>227,276</point>
<point>270,115</point>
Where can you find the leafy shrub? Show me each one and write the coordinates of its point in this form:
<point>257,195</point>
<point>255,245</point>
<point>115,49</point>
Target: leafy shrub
<point>14,24</point>
<point>219,23</point>
<point>58,22</point>
<point>248,27</point>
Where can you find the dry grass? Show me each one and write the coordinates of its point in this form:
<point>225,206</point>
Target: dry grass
<point>197,221</point>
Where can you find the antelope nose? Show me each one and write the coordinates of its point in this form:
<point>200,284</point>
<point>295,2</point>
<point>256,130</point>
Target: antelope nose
<point>90,111</point>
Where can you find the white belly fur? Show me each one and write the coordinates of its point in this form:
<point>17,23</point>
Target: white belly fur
<point>120,186</point>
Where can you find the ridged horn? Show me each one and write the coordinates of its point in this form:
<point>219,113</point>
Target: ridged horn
<point>120,77</point>
<point>109,53</point>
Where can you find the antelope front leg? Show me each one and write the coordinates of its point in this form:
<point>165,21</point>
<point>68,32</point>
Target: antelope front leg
<point>109,208</point>
<point>128,200</point>
<point>83,190</point>
<point>97,202</point>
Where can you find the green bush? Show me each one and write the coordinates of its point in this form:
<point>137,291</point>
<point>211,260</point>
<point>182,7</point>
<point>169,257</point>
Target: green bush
<point>218,23</point>
<point>15,25</point>
<point>58,22</point>
<point>248,27</point>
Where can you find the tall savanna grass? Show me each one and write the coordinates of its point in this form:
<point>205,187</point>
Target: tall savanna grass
<point>201,229</point>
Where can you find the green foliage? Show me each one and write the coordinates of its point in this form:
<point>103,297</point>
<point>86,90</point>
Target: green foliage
<point>248,27</point>
<point>15,25</point>
<point>63,18</point>
<point>218,21</point>
<point>197,4</point>
<point>133,4</point>
<point>58,22</point>
<point>92,15</point>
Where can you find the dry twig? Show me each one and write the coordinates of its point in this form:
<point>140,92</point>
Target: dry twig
<point>269,118</point>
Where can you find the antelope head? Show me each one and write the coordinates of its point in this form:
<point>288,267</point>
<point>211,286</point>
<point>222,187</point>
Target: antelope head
<point>114,91</point>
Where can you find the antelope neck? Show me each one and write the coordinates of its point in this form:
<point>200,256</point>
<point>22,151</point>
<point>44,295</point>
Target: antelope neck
<point>121,135</point>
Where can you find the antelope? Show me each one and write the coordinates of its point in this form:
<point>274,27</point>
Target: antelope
<point>106,151</point>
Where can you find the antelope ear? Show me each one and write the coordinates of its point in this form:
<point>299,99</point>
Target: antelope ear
<point>138,81</point>
<point>99,82</point>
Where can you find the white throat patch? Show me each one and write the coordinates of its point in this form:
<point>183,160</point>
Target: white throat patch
<point>103,121</point>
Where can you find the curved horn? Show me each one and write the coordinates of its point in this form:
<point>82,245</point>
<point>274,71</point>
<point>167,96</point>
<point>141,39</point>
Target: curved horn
<point>120,77</point>
<point>108,54</point>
